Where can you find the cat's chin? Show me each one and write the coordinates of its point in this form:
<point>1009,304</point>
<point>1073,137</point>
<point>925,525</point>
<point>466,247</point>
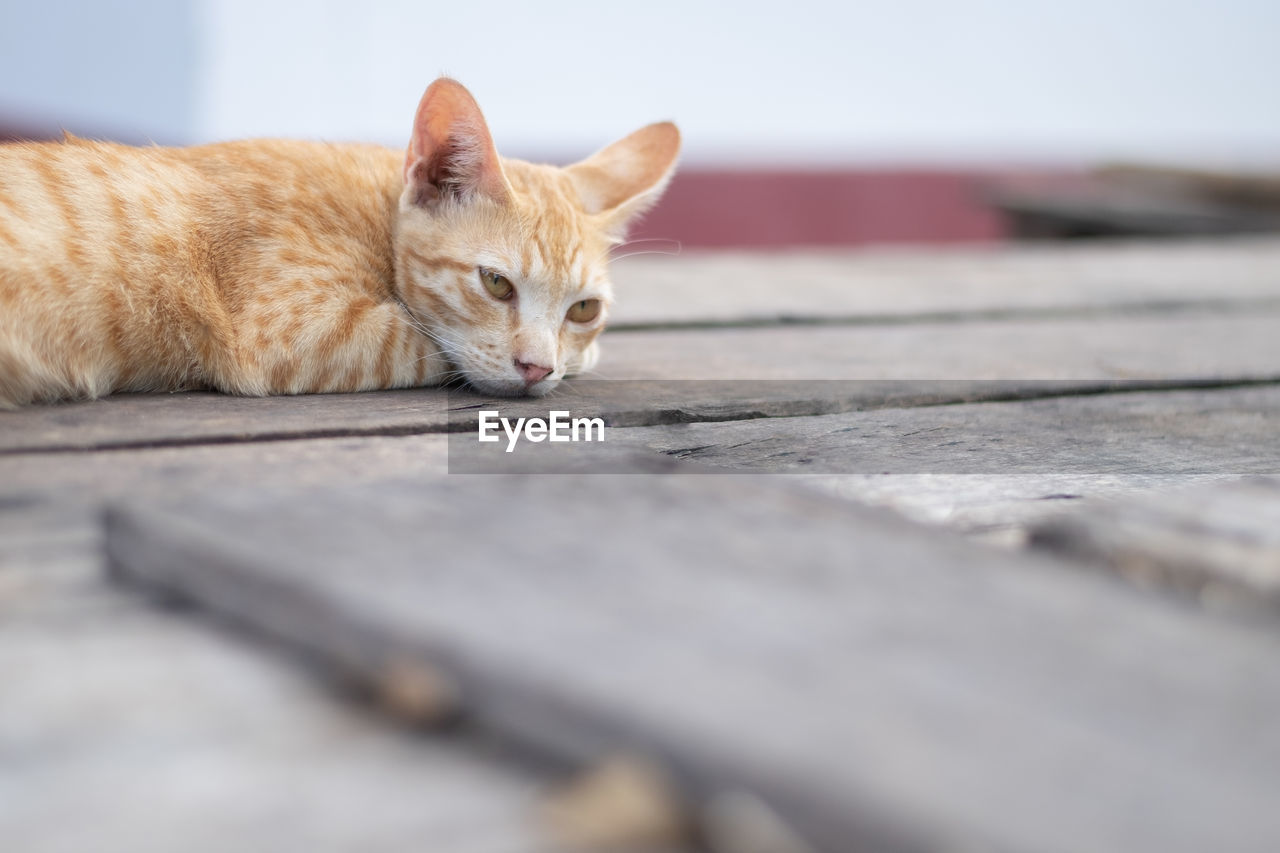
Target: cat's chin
<point>513,388</point>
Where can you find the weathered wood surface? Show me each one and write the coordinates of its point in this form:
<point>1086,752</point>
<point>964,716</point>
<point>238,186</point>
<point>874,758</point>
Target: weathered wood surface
<point>878,686</point>
<point>988,469</point>
<point>1175,346</point>
<point>50,550</point>
<point>99,690</point>
<point>915,282</point>
<point>142,420</point>
<point>1118,438</point>
<point>127,729</point>
<point>1220,544</point>
<point>1080,355</point>
<point>184,471</point>
<point>1209,431</point>
<point>1017,486</point>
<point>998,509</point>
<point>1198,311</point>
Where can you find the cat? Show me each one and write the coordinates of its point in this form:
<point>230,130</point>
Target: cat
<point>287,267</point>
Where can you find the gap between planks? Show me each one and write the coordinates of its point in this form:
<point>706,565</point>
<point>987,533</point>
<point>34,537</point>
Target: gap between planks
<point>665,412</point>
<point>1145,308</point>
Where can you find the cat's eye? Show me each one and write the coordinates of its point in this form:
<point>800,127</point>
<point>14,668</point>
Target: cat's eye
<point>584,311</point>
<point>499,286</point>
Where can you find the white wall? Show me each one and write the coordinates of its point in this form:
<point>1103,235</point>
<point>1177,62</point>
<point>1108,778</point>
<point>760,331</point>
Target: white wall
<point>804,80</point>
<point>126,69</point>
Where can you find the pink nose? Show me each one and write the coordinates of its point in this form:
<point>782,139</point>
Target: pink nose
<point>532,373</point>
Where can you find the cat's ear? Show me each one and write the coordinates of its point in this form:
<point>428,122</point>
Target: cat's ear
<point>451,154</point>
<point>625,179</point>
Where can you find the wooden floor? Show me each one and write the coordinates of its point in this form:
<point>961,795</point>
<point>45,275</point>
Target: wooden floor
<point>895,550</point>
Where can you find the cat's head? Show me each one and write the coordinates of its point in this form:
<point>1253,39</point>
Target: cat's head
<point>504,263</point>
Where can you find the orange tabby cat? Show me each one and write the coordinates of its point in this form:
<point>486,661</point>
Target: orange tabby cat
<point>275,267</point>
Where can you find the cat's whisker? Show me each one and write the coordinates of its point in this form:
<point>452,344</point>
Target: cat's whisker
<point>635,254</point>
<point>641,240</point>
<point>443,341</point>
<point>565,389</point>
<point>636,247</point>
<point>617,253</point>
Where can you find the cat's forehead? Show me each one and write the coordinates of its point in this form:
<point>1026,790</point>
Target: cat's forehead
<point>560,239</point>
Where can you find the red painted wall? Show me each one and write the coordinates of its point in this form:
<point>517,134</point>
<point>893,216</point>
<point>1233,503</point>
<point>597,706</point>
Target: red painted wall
<point>777,209</point>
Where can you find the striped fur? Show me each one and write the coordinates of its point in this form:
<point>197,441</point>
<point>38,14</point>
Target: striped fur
<point>284,267</point>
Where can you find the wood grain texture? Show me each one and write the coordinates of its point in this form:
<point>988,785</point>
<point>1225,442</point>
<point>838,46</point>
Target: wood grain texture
<point>991,470</point>
<point>737,287</point>
<point>748,373</point>
<point>1000,509</point>
<point>1219,544</point>
<point>127,729</point>
<point>781,652</point>
<point>1218,431</point>
<point>141,420</point>
<point>998,505</point>
<point>877,685</point>
<point>1177,346</point>
<point>176,472</point>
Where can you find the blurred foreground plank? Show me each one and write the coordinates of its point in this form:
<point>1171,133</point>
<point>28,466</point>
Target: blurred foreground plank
<point>129,729</point>
<point>867,683</point>
<point>1220,543</point>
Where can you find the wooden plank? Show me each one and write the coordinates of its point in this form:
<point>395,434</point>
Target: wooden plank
<point>943,465</point>
<point>123,727</point>
<point>989,469</point>
<point>1180,347</point>
<point>184,471</point>
<point>89,479</point>
<point>737,287</point>
<point>50,550</point>
<point>1219,544</point>
<point>1211,431</point>
<point>1081,355</point>
<point>998,505</point>
<point>875,685</point>
<point>999,509</point>
<point>139,420</point>
<point>1140,437</point>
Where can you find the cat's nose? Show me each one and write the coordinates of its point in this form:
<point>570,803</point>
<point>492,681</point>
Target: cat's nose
<point>532,373</point>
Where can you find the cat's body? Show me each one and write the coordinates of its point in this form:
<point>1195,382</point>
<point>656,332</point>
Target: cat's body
<point>253,268</point>
<point>272,267</point>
